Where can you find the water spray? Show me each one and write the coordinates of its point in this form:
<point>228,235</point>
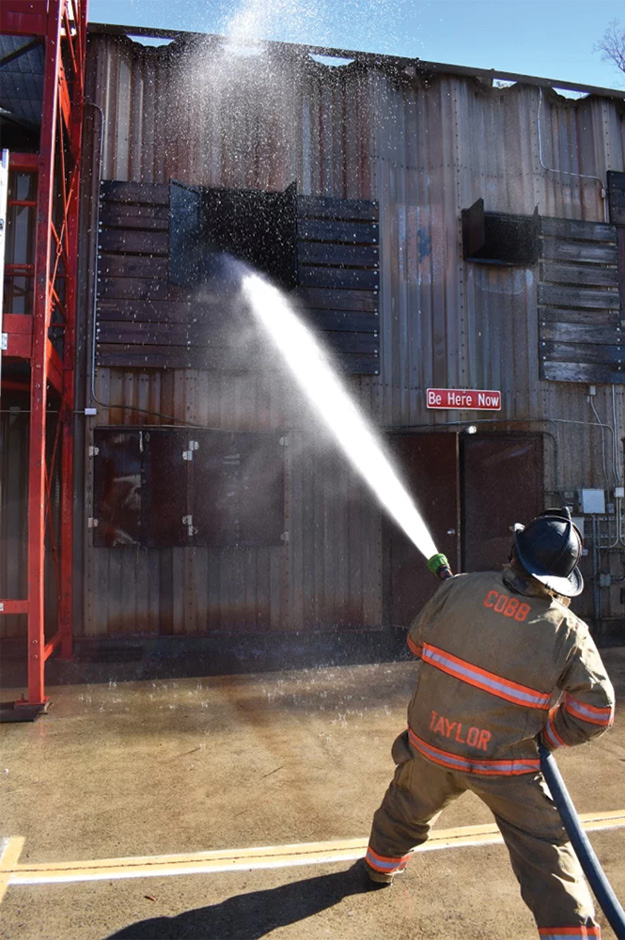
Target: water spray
<point>315,375</point>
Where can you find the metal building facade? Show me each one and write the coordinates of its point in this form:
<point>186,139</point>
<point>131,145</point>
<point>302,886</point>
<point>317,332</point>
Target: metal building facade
<point>424,146</point>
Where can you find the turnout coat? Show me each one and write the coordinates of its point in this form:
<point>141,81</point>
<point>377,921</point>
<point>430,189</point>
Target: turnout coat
<point>501,662</point>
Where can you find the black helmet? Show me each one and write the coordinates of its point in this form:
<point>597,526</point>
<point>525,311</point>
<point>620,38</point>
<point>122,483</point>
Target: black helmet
<point>549,548</point>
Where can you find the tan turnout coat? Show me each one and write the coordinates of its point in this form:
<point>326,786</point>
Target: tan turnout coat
<point>497,668</point>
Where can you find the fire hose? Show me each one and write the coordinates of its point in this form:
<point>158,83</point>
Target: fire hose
<point>597,880</point>
<point>591,867</point>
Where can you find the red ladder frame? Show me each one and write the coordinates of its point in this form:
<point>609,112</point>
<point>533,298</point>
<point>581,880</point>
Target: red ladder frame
<point>61,25</point>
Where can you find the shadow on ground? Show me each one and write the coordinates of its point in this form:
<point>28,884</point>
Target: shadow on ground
<point>254,915</point>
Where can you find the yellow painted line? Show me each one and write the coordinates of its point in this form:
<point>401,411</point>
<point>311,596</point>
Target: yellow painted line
<point>10,851</point>
<point>276,856</point>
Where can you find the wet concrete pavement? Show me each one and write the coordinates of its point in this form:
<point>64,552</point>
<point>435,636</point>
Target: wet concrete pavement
<point>182,765</point>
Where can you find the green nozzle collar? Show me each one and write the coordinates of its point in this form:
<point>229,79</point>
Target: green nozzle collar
<point>436,562</point>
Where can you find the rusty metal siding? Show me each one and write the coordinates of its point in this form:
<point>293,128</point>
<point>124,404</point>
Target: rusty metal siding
<point>450,323</point>
<point>210,118</point>
<point>328,572</point>
<point>424,150</point>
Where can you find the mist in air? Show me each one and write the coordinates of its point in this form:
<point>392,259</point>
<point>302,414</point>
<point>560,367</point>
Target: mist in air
<point>311,369</point>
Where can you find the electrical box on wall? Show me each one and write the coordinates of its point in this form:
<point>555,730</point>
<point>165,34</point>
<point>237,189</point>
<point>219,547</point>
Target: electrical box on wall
<point>593,502</point>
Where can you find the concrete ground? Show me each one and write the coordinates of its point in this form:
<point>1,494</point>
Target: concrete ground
<point>165,766</point>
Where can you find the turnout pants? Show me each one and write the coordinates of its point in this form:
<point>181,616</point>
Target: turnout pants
<point>547,869</point>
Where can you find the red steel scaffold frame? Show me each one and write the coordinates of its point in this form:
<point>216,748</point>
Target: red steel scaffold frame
<point>60,25</point>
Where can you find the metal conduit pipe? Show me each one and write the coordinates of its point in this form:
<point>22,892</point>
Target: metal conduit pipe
<point>591,867</point>
<point>596,597</point>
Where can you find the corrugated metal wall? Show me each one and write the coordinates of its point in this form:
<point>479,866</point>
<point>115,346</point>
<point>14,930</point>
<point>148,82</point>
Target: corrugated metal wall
<point>14,429</point>
<point>424,150</point>
<point>13,475</point>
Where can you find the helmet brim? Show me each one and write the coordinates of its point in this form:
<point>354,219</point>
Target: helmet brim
<point>567,587</point>
<point>570,586</point>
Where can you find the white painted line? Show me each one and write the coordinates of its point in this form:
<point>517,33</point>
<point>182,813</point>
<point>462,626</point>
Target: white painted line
<point>248,859</point>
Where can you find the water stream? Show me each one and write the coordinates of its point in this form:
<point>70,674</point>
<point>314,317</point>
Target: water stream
<point>315,375</point>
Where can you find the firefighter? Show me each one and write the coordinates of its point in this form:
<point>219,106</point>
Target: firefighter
<point>502,660</point>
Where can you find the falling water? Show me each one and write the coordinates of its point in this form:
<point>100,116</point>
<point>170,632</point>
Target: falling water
<point>312,370</point>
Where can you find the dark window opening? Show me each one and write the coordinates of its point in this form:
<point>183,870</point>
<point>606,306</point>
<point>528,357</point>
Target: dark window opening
<point>259,228</point>
<point>499,238</point>
<point>165,487</point>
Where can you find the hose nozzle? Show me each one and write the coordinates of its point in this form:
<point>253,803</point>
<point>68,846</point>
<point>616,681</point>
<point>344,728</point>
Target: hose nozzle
<point>439,565</point>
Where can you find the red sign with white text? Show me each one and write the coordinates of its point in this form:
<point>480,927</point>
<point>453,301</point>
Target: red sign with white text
<point>463,399</point>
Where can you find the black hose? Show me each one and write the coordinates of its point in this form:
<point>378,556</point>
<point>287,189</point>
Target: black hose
<point>583,849</point>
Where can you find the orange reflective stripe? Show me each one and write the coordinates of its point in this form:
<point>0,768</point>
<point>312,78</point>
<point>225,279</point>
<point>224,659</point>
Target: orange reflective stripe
<point>482,679</point>
<point>413,647</point>
<point>590,713</point>
<point>469,765</point>
<point>565,933</point>
<point>383,863</point>
<point>550,732</point>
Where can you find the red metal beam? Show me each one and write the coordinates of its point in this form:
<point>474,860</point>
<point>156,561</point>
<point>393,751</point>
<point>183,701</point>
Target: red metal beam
<point>40,358</point>
<point>50,647</point>
<point>55,370</point>
<point>23,19</point>
<point>19,330</point>
<point>10,385</point>
<point>79,51</point>
<point>18,347</point>
<point>39,379</point>
<point>64,99</point>
<point>13,607</point>
<point>22,161</point>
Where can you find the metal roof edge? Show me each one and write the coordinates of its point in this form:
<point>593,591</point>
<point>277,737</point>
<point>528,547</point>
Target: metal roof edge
<point>420,66</point>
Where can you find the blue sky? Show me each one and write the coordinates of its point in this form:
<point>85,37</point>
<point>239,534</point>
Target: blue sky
<point>547,38</point>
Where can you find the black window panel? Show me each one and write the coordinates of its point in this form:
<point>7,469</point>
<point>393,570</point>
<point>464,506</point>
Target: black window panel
<point>165,484</point>
<point>186,247</point>
<point>117,487</point>
<point>238,488</point>
<point>257,227</point>
<point>616,197</point>
<point>168,487</point>
<point>499,238</point>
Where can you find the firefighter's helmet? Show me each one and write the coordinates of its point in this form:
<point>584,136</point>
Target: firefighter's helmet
<point>549,548</point>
